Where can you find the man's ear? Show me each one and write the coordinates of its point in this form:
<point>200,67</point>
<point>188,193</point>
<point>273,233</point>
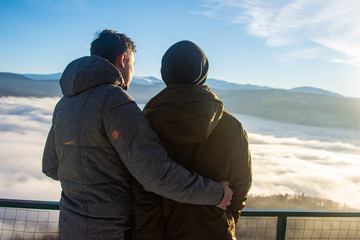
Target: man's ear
<point>120,60</point>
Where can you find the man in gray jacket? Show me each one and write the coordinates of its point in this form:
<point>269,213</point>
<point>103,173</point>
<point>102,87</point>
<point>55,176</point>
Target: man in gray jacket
<point>99,138</point>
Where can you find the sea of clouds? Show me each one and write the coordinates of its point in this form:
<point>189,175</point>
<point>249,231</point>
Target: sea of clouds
<point>287,158</point>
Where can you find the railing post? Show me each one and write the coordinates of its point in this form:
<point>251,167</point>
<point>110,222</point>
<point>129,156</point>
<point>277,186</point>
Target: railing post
<point>281,227</point>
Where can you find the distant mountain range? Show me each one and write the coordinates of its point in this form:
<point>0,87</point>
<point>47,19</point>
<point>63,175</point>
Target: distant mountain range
<point>53,76</point>
<point>302,105</point>
<point>213,83</point>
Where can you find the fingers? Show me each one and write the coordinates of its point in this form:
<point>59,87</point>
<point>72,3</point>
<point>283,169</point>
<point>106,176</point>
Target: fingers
<point>221,207</point>
<point>227,194</point>
<point>226,201</point>
<point>224,182</point>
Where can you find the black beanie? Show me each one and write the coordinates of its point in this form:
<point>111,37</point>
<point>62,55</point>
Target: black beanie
<point>184,63</point>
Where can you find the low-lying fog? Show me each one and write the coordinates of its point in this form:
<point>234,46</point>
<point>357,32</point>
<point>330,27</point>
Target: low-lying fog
<point>287,158</point>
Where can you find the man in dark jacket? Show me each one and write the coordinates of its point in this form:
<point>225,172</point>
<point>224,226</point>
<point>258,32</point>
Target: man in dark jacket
<point>201,136</point>
<point>99,138</point>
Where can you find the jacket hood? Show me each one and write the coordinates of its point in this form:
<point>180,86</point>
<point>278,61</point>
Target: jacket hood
<point>87,72</point>
<point>184,114</point>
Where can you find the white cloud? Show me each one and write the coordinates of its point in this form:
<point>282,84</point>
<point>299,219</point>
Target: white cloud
<point>293,159</point>
<point>329,25</point>
<point>287,158</point>
<point>24,124</point>
<point>30,188</point>
<point>287,165</point>
<point>26,114</point>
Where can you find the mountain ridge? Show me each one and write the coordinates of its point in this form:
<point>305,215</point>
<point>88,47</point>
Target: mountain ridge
<point>211,82</point>
<point>303,105</point>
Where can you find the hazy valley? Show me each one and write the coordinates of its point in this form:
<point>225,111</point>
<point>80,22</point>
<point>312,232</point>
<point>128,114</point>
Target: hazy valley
<point>303,105</point>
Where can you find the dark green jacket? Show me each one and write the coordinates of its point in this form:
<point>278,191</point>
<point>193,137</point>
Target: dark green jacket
<point>199,135</point>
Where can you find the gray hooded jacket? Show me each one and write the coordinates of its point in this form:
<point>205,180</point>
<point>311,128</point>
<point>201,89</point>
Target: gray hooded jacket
<point>98,139</point>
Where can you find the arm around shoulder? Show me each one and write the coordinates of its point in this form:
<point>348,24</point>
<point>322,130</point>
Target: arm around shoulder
<point>142,153</point>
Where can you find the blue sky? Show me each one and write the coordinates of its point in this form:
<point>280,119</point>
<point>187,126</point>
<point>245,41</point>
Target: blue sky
<point>278,43</point>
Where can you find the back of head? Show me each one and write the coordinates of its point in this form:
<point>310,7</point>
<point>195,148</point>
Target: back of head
<point>110,44</point>
<point>184,63</point>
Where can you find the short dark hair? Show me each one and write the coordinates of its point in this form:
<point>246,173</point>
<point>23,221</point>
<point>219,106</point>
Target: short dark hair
<point>110,44</point>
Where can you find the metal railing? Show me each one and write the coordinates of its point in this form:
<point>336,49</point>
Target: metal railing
<point>309,224</point>
<point>253,223</point>
<point>23,219</point>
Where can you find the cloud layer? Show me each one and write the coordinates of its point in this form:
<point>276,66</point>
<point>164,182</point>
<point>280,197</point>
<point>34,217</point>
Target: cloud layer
<point>318,29</point>
<point>319,162</point>
<point>24,124</point>
<point>287,158</point>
